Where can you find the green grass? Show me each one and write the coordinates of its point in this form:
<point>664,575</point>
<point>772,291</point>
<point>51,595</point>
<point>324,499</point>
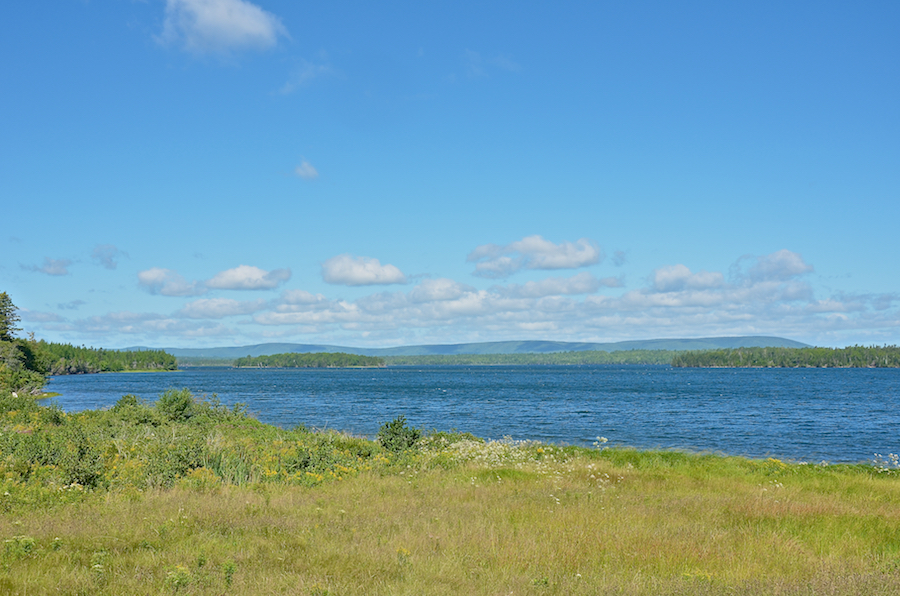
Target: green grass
<point>187,497</point>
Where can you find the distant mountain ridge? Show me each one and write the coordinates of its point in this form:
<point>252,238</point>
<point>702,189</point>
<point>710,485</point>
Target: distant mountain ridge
<point>499,347</point>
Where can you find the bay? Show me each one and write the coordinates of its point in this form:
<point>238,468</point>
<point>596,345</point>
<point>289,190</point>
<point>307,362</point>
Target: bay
<point>815,415</point>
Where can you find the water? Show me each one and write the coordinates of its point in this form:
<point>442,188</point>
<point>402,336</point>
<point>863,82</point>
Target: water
<point>834,415</point>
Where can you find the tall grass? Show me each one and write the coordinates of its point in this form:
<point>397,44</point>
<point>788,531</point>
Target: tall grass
<point>251,509</point>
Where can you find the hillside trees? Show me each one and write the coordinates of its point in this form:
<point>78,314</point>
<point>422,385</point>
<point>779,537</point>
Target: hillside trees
<point>849,357</point>
<point>24,363</point>
<point>66,359</point>
<point>8,318</point>
<point>309,360</point>
<point>22,366</point>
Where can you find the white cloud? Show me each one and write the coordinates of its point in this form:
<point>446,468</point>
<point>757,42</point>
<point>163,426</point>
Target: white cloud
<point>106,255</point>
<point>166,282</point>
<point>148,327</point>
<point>348,270</point>
<point>583,283</point>
<point>39,316</point>
<point>219,26</point>
<point>55,267</point>
<point>778,266</point>
<point>676,302</point>
<point>218,308</point>
<point>675,278</point>
<point>245,277</point>
<point>301,301</point>
<point>306,171</point>
<point>533,252</point>
<point>435,290</point>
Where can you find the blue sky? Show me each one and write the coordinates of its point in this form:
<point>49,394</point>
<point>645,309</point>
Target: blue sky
<point>190,173</point>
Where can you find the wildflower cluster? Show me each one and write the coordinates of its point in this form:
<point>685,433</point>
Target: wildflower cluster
<point>887,463</point>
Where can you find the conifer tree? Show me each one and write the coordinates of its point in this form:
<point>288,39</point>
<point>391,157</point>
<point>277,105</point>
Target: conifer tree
<point>8,317</point>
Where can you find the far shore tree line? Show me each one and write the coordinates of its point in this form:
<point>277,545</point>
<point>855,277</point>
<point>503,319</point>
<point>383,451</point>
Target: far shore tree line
<point>309,360</point>
<point>26,362</point>
<point>850,357</point>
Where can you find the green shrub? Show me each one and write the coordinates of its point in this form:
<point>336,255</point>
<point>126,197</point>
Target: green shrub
<point>396,436</point>
<point>176,405</point>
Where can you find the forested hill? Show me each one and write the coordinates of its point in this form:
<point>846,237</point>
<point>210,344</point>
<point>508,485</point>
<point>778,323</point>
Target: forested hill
<point>500,347</point>
<point>555,358</point>
<point>66,359</point>
<point>25,363</point>
<point>851,357</point>
<point>315,360</point>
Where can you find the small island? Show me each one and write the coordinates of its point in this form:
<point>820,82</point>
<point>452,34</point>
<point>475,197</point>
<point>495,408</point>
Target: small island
<point>310,360</point>
<point>850,357</point>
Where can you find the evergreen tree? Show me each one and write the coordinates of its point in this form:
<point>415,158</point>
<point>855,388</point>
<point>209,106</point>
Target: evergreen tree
<point>8,318</point>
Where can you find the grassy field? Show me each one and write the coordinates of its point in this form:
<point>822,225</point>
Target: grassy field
<point>188,497</point>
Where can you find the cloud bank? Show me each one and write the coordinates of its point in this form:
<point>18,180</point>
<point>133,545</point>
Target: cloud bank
<point>166,282</point>
<point>761,295</point>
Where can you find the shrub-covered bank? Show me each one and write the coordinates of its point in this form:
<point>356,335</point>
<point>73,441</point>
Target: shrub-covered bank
<point>185,496</point>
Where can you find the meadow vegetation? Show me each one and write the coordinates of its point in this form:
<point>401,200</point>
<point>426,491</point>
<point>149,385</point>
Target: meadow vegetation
<point>186,496</point>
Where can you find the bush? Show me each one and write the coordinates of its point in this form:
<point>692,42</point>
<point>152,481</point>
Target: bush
<point>176,405</point>
<point>397,437</point>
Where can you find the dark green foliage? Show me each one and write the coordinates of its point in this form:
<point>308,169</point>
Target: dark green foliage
<point>8,318</point>
<point>66,359</point>
<point>396,436</point>
<point>131,410</point>
<point>126,401</point>
<point>851,357</point>
<point>313,360</point>
<point>24,363</point>
<point>19,370</point>
<point>16,403</point>
<point>176,404</point>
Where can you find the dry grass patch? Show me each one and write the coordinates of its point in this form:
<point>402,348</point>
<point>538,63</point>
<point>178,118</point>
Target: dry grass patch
<point>578,526</point>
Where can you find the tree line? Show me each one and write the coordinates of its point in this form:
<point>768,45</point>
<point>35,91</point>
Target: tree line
<point>66,359</point>
<point>581,357</point>
<point>850,357</point>
<point>25,363</point>
<point>309,360</point>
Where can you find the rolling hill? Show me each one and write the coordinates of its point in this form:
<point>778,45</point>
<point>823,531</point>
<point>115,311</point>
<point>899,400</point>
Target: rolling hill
<point>501,347</point>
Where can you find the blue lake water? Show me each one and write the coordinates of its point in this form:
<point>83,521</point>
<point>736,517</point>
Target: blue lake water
<point>834,415</point>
